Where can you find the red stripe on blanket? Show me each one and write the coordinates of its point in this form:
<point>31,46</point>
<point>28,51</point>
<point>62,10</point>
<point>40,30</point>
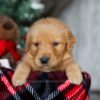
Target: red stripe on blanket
<point>63,86</point>
<point>72,92</point>
<point>8,85</point>
<point>81,96</point>
<point>87,98</point>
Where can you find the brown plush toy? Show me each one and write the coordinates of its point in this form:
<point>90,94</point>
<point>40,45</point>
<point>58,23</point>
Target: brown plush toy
<point>9,36</point>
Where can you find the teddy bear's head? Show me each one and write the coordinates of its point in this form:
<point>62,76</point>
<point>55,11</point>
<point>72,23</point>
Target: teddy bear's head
<point>8,29</point>
<point>9,36</point>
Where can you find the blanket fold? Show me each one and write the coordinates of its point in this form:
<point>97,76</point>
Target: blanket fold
<point>43,86</point>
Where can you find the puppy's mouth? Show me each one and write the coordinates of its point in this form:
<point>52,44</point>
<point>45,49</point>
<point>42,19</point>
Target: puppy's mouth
<point>51,65</point>
<point>46,66</point>
<point>43,66</point>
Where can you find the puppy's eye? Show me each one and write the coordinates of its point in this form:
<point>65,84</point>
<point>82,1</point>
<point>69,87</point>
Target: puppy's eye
<point>36,44</point>
<point>55,43</point>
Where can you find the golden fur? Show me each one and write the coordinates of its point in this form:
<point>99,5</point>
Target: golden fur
<point>48,37</point>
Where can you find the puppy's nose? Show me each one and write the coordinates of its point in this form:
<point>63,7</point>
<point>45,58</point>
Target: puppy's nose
<point>44,60</point>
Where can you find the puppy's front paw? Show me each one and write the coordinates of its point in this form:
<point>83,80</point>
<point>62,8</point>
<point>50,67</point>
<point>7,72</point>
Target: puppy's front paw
<point>18,80</point>
<point>75,77</point>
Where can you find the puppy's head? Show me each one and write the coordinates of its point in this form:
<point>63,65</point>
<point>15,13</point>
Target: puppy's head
<point>49,42</point>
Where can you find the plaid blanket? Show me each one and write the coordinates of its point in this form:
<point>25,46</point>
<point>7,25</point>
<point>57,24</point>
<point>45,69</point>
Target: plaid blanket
<point>43,86</point>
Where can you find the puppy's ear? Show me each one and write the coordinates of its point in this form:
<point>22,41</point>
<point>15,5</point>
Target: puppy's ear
<point>28,39</point>
<point>71,40</point>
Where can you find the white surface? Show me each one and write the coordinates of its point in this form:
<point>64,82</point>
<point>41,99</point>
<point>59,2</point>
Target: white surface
<point>5,63</point>
<point>83,18</point>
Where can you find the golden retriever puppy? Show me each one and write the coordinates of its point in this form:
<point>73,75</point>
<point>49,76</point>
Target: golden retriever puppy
<point>49,46</point>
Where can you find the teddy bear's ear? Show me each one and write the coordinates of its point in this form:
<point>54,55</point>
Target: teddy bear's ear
<point>7,25</point>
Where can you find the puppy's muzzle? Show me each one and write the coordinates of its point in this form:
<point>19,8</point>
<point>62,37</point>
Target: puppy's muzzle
<point>44,60</point>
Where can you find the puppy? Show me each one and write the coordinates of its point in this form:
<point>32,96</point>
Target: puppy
<point>49,46</point>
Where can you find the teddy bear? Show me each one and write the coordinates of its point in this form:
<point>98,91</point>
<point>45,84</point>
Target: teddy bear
<point>9,36</point>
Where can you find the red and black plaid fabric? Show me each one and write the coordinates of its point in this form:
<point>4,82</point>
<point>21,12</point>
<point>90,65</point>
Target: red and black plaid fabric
<point>43,86</point>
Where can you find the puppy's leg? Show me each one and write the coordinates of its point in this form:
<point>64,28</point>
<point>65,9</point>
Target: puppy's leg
<point>74,74</point>
<point>21,73</point>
